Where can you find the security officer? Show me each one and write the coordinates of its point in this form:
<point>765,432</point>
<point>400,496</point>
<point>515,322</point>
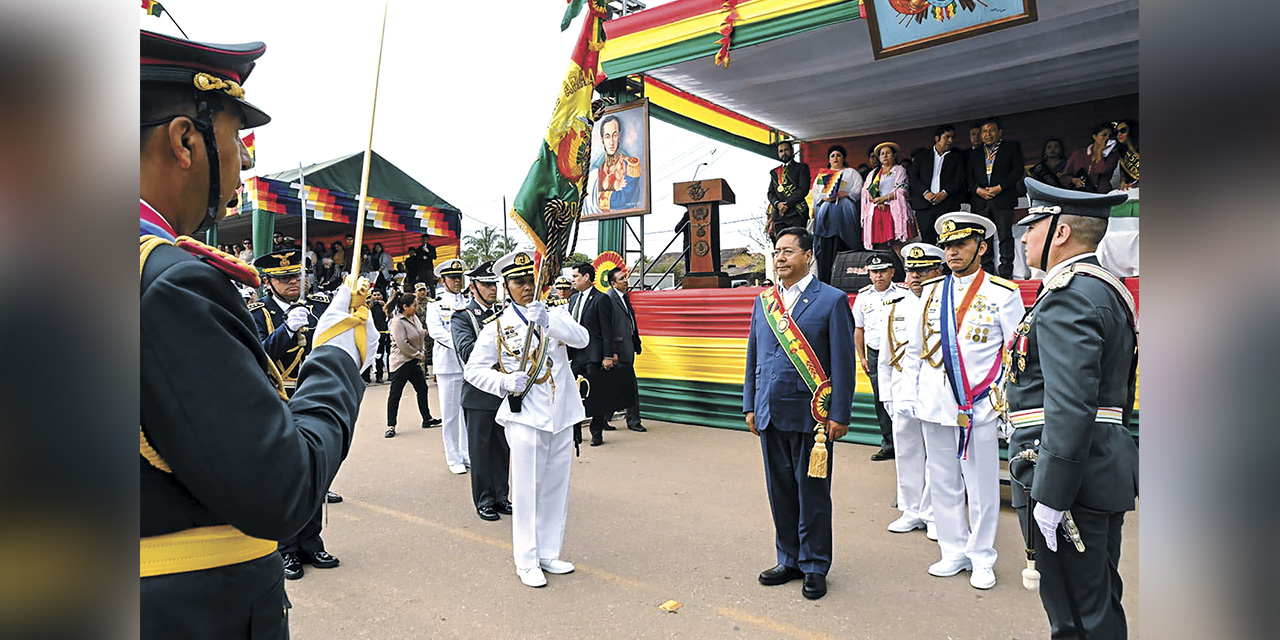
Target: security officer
<point>1070,387</point>
<point>448,370</point>
<point>954,354</point>
<point>922,262</point>
<point>286,329</point>
<point>868,334</point>
<point>228,464</point>
<point>537,418</point>
<point>486,442</point>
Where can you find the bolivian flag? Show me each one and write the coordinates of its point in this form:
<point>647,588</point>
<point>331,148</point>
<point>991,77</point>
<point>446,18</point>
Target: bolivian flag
<point>550,200</point>
<point>249,145</point>
<point>152,8</point>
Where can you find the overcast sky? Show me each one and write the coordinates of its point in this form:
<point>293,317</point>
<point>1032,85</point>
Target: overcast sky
<point>465,95</point>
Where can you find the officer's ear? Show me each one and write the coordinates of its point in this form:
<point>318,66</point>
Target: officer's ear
<point>181,134</point>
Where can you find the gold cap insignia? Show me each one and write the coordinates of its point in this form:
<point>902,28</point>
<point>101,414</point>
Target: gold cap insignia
<point>916,252</point>
<point>948,226</point>
<point>522,259</point>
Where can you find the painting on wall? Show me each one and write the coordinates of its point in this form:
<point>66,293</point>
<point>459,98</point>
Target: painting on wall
<point>618,178</point>
<point>899,26</point>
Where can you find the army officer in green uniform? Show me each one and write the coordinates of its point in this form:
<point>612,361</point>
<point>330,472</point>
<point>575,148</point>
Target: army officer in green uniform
<point>1069,386</point>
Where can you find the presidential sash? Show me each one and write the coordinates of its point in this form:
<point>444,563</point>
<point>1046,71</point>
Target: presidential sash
<point>806,362</point>
<point>951,318</point>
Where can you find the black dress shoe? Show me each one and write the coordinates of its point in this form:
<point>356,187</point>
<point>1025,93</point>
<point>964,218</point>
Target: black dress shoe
<point>332,498</point>
<point>320,560</point>
<point>292,566</point>
<point>780,574</point>
<point>637,427</point>
<point>883,454</point>
<point>503,507</point>
<point>432,422</point>
<point>595,442</point>
<point>815,586</point>
<point>609,427</point>
<point>487,512</point>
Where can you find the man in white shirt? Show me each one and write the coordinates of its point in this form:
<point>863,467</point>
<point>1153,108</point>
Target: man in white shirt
<point>448,370</point>
<point>898,392</point>
<point>954,352</point>
<point>936,181</point>
<point>868,322</point>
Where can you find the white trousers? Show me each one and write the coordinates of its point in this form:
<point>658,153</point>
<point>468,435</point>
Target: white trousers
<point>951,480</point>
<point>540,466</point>
<point>914,499</point>
<point>455,430</point>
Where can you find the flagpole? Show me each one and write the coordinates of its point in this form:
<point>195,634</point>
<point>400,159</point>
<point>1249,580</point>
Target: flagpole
<point>368,151</point>
<point>302,198</point>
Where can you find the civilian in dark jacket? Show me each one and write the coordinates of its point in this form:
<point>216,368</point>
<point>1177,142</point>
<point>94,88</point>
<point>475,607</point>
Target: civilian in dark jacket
<point>995,170</point>
<point>936,181</point>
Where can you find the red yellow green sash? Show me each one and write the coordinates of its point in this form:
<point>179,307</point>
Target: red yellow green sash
<point>798,350</point>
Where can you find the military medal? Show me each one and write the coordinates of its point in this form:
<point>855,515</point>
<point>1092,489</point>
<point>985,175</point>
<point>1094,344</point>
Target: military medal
<point>962,420</point>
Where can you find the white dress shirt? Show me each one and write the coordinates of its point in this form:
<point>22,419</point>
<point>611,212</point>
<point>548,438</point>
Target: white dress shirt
<point>935,186</point>
<point>870,313</point>
<point>791,293</point>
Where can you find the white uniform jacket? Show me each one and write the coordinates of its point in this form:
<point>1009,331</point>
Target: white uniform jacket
<point>868,313</point>
<point>440,327</point>
<point>989,324</point>
<point>896,388</point>
<point>553,404</point>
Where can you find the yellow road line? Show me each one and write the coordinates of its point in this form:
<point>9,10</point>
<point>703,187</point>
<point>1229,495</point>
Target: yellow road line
<point>741,616</point>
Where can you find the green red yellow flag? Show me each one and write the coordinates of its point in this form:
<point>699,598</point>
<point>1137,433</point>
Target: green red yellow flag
<point>550,199</point>
<point>249,145</point>
<point>152,8</point>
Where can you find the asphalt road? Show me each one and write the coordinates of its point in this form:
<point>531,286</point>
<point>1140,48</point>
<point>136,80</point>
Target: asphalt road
<point>678,513</point>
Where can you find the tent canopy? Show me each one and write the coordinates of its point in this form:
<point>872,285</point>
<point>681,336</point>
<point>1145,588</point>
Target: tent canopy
<point>805,67</point>
<point>386,181</point>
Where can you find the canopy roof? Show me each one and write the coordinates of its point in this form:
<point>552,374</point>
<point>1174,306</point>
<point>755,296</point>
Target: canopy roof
<point>805,67</point>
<point>386,181</point>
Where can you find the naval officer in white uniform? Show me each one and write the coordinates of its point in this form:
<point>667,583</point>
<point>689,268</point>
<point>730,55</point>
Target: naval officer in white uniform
<point>538,419</point>
<point>955,352</point>
<point>444,361</point>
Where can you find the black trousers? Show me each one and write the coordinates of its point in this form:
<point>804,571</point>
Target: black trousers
<point>882,417</point>
<point>924,221</point>
<point>244,600</point>
<point>411,373</point>
<point>825,254</point>
<point>1003,219</point>
<point>490,457</point>
<point>307,540</point>
<point>801,505</point>
<point>633,411</point>
<point>381,362</point>
<point>1089,581</point>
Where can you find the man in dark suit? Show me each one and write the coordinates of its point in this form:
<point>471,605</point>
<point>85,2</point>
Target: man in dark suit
<point>1069,385</point>
<point>227,464</point>
<point>591,310</point>
<point>788,188</point>
<point>995,170</point>
<point>486,441</point>
<point>626,346</point>
<point>936,181</point>
<point>778,405</point>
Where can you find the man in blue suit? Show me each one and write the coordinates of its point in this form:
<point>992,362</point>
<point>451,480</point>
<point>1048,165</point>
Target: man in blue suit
<point>777,402</point>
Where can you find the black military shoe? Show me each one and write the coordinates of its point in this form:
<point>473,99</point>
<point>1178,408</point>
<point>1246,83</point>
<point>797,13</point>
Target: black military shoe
<point>637,427</point>
<point>780,574</point>
<point>882,454</point>
<point>432,422</point>
<point>815,586</point>
<point>609,427</point>
<point>320,560</point>
<point>332,498</point>
<point>292,566</point>
<point>597,441</point>
<point>487,512</point>
<point>503,507</point>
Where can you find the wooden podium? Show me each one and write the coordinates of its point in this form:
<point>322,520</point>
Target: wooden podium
<point>702,200</point>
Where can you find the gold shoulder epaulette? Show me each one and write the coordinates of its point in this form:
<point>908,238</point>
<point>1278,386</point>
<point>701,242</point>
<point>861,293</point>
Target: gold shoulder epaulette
<point>1008,284</point>
<point>318,297</point>
<point>253,306</point>
<point>892,301</point>
<point>933,280</point>
<point>491,318</point>
<point>866,288</point>
<point>1061,280</point>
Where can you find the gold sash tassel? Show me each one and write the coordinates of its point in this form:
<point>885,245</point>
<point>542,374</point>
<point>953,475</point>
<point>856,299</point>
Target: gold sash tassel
<point>199,548</point>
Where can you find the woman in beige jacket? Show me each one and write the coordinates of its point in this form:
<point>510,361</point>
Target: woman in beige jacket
<point>407,352</point>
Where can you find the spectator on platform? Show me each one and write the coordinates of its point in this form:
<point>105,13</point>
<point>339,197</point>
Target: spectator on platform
<point>328,276</point>
<point>1090,168</point>
<point>788,206</point>
<point>383,266</point>
<point>936,181</point>
<point>886,217</point>
<point>349,244</point>
<point>995,171</point>
<point>1126,174</point>
<point>975,136</point>
<point>339,255</point>
<point>277,241</point>
<point>836,223</point>
<point>1052,164</point>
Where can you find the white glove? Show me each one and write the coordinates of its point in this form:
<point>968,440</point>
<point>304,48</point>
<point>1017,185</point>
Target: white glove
<point>296,319</point>
<point>1048,519</point>
<point>888,407</point>
<point>515,381</point>
<point>339,309</point>
<point>538,314</point>
<point>907,408</point>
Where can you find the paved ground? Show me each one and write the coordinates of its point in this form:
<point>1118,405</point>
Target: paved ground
<point>677,513</point>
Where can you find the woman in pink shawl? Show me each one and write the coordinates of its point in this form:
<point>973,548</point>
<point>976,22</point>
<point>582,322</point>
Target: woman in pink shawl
<point>886,215</point>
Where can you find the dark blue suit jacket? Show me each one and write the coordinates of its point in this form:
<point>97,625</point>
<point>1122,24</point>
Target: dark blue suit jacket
<point>773,389</point>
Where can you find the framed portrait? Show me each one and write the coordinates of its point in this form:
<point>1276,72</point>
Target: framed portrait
<point>618,176</point>
<point>899,26</point>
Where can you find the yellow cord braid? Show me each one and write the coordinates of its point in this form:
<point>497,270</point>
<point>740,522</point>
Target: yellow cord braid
<point>358,318</point>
